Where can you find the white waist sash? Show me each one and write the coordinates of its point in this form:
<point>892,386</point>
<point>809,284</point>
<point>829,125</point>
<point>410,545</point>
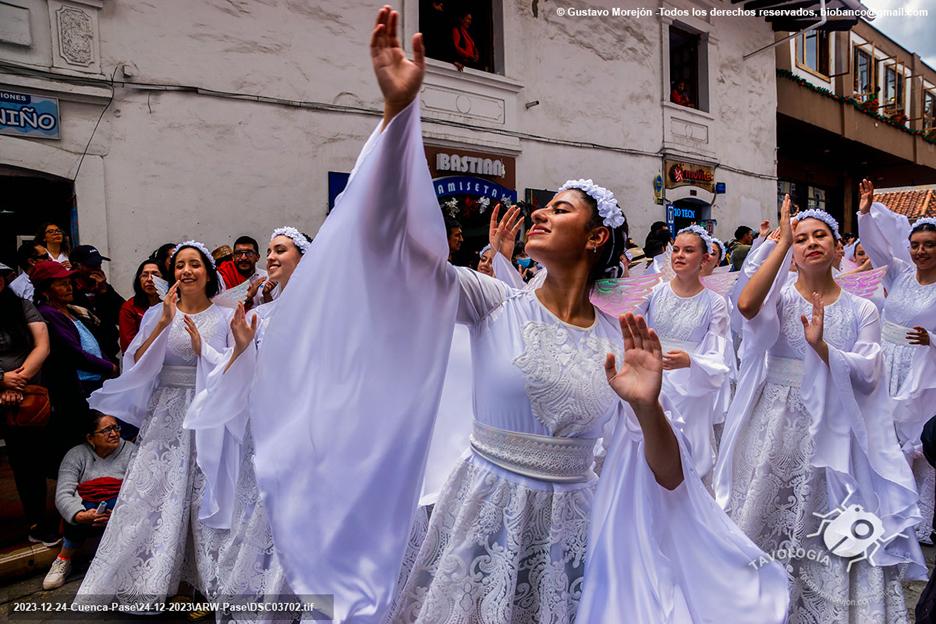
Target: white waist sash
<point>177,376</point>
<point>896,334</point>
<point>560,460</point>
<point>784,371</point>
<point>669,344</point>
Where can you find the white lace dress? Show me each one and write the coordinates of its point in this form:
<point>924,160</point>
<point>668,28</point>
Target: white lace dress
<point>909,370</point>
<point>349,379</point>
<point>697,325</point>
<point>154,538</point>
<point>800,436</point>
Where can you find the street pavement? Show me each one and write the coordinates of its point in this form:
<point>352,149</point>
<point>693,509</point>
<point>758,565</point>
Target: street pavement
<point>29,591</point>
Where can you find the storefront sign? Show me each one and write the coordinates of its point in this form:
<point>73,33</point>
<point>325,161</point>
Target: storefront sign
<point>671,217</point>
<point>22,114</point>
<point>446,161</point>
<point>685,174</point>
<point>684,213</point>
<point>457,185</point>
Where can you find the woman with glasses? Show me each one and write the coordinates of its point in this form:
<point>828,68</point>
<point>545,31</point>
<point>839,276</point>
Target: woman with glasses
<point>89,480</point>
<point>908,337</point>
<point>52,237</point>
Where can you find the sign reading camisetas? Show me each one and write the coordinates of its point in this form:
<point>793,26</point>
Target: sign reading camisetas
<point>22,114</point>
<point>687,174</point>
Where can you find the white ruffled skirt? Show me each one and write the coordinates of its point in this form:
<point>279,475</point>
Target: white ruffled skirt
<point>775,499</point>
<point>498,548</point>
<point>154,539</point>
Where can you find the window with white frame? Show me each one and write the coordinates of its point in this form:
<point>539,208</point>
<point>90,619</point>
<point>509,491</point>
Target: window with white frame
<point>687,82</point>
<point>929,111</point>
<point>893,89</point>
<point>865,75</point>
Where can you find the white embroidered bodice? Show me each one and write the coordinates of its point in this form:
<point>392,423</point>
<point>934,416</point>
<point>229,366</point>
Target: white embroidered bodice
<point>179,346</point>
<point>840,326</point>
<point>909,303</point>
<point>679,318</point>
<point>535,374</point>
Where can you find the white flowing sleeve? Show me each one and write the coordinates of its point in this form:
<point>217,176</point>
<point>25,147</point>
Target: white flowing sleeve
<point>854,440</point>
<point>506,272</point>
<point>755,258</point>
<point>915,403</point>
<point>666,557</point>
<point>349,377</point>
<point>885,237</point>
<point>218,416</point>
<point>127,396</point>
<point>699,386</point>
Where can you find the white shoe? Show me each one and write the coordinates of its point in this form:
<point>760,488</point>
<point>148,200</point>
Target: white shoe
<point>57,574</point>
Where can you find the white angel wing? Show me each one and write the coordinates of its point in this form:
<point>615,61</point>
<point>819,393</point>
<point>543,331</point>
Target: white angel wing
<point>849,265</point>
<point>621,295</point>
<point>162,286</point>
<point>232,296</point>
<point>862,284</point>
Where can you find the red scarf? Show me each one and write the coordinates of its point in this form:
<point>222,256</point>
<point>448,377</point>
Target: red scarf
<point>100,489</point>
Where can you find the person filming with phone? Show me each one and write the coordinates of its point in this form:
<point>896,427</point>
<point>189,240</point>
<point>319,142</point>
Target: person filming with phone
<point>88,483</point>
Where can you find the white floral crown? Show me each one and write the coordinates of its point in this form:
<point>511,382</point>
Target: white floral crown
<point>703,234</point>
<point>923,221</point>
<point>298,238</point>
<point>200,247</point>
<point>721,248</point>
<point>607,206</point>
<point>823,216</point>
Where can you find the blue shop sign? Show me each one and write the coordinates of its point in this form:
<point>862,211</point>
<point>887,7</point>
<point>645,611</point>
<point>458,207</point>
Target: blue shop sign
<point>455,185</point>
<point>27,115</point>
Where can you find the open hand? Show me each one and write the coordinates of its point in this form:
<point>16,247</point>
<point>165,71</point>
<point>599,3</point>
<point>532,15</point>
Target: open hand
<point>399,78</point>
<point>764,229</point>
<point>170,304</point>
<point>503,236</point>
<point>242,331</point>
<point>814,327</point>
<point>641,377</point>
<point>919,336</point>
<point>866,191</point>
<point>192,330</point>
<point>786,225</point>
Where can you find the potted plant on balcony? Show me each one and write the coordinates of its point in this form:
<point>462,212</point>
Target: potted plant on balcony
<point>898,117</point>
<point>871,104</point>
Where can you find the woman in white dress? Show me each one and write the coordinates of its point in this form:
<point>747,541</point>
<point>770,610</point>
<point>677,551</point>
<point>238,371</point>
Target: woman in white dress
<point>165,527</point>
<point>810,432</point>
<point>350,375</point>
<point>692,323</point>
<point>909,322</point>
<point>249,566</point>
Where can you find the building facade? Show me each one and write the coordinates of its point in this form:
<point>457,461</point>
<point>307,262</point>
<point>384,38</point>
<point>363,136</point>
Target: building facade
<point>852,105</point>
<point>212,119</point>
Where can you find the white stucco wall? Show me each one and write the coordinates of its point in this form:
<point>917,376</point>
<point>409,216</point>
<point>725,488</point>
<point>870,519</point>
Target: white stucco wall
<point>167,165</point>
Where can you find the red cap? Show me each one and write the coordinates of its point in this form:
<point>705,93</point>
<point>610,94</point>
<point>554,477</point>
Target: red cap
<point>49,270</point>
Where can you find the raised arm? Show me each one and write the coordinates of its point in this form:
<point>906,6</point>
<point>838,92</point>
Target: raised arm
<point>398,77</point>
<point>753,296</point>
<point>884,234</point>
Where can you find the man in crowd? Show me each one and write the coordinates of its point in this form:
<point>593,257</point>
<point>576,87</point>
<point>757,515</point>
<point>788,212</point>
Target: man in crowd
<point>28,256</point>
<point>453,230</point>
<point>94,293</point>
<point>745,238</point>
<point>243,268</point>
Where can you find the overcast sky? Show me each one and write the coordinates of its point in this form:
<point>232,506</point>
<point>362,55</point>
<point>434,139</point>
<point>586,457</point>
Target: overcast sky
<point>917,34</point>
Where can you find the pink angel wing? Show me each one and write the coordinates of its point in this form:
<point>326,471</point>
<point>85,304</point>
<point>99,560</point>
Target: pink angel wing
<point>720,282</point>
<point>722,269</point>
<point>862,284</point>
<point>667,269</point>
<point>849,265</point>
<point>621,295</point>
<point>232,296</point>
